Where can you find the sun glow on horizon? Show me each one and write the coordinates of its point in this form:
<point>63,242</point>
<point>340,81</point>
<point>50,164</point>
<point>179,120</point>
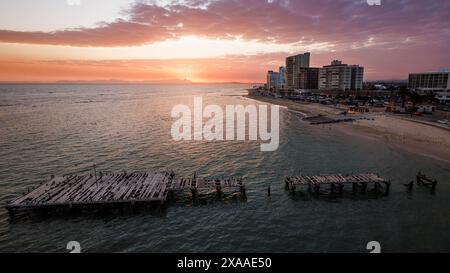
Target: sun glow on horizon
<point>186,47</point>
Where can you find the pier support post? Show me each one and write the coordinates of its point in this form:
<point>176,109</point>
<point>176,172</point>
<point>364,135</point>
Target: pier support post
<point>171,194</point>
<point>341,189</point>
<point>133,207</point>
<point>376,186</point>
<point>410,185</point>
<point>433,185</point>
<point>219,190</point>
<point>194,193</point>
<point>268,191</point>
<point>419,178</point>
<point>317,189</point>
<point>388,187</point>
<point>354,187</point>
<point>243,191</point>
<point>293,189</point>
<point>363,187</point>
<point>11,213</point>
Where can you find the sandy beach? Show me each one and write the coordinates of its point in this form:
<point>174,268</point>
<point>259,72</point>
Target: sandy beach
<point>414,137</point>
<point>310,109</point>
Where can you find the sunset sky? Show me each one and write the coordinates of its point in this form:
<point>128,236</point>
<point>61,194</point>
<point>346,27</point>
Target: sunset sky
<point>216,40</point>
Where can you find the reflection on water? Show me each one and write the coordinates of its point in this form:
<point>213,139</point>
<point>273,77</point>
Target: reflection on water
<point>64,129</point>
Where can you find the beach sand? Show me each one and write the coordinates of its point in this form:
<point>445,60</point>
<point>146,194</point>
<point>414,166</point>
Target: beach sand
<point>309,109</point>
<point>418,138</point>
<point>414,137</point>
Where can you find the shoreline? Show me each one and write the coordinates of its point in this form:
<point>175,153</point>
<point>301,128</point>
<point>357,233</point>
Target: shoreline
<point>397,132</point>
<point>307,109</point>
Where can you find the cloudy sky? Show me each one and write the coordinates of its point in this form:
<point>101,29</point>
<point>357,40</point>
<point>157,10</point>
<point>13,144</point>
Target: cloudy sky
<point>216,40</point>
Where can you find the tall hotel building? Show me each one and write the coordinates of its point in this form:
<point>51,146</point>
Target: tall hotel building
<point>339,76</point>
<point>309,78</point>
<point>294,64</point>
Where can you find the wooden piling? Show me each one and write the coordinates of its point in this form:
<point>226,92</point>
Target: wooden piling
<point>194,193</point>
<point>388,186</point>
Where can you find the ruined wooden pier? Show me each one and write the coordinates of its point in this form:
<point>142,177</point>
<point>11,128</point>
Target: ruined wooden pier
<point>320,120</point>
<point>196,184</point>
<point>336,183</point>
<point>151,188</point>
<point>424,180</point>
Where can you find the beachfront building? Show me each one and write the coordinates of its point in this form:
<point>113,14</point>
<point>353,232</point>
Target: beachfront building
<point>443,97</point>
<point>276,79</point>
<point>309,78</point>
<point>339,76</point>
<point>430,82</point>
<point>272,79</point>
<point>293,67</point>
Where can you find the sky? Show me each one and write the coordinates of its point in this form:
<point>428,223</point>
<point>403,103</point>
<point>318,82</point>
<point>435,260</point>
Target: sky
<point>216,40</point>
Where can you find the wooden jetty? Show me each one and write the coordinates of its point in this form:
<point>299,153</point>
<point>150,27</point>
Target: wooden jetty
<point>336,182</point>
<point>155,187</point>
<point>196,184</point>
<point>424,180</point>
<point>319,120</point>
<point>89,189</point>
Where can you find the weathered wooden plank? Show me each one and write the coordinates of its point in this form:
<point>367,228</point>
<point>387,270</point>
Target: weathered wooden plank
<point>114,188</point>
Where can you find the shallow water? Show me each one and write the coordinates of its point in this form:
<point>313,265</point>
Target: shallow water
<point>62,129</point>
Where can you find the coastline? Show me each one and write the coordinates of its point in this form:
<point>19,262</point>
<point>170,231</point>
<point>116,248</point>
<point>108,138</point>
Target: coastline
<point>307,109</point>
<point>411,136</point>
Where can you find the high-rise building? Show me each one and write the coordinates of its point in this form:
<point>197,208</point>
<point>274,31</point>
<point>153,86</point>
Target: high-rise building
<point>309,78</point>
<point>429,82</point>
<point>293,66</point>
<point>339,76</point>
<point>357,77</point>
<point>276,79</point>
<point>273,79</point>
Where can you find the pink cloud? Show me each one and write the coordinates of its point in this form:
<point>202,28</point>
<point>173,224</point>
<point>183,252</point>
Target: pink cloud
<point>346,23</point>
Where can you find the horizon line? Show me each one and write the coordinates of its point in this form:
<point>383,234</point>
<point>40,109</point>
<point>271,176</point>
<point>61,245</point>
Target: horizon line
<point>175,82</point>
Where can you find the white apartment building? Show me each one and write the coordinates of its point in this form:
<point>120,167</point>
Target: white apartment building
<point>339,76</point>
<point>429,82</point>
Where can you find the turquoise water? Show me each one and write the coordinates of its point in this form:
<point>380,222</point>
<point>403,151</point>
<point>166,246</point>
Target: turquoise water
<point>62,129</point>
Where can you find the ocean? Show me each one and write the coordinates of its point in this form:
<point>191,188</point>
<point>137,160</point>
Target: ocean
<point>65,129</point>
